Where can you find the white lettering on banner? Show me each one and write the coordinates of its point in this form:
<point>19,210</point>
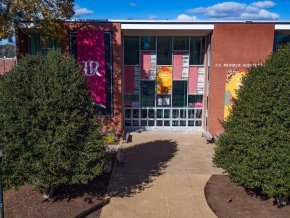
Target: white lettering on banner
<point>91,68</point>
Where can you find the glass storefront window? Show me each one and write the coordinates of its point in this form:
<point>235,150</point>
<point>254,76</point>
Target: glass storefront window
<point>164,50</point>
<point>159,100</point>
<point>179,94</point>
<point>148,43</point>
<point>147,93</point>
<point>181,43</point>
<point>197,50</point>
<point>131,50</point>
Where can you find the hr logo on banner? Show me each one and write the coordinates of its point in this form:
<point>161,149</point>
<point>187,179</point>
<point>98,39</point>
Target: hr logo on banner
<point>91,68</point>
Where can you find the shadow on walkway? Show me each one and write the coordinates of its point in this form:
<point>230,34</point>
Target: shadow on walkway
<point>144,163</point>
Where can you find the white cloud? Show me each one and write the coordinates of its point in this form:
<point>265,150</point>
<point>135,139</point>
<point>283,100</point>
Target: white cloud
<point>263,4</point>
<point>82,11</point>
<point>236,10</point>
<point>133,4</point>
<point>184,17</point>
<point>152,17</point>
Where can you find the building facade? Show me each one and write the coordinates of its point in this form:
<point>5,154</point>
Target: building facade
<point>162,74</point>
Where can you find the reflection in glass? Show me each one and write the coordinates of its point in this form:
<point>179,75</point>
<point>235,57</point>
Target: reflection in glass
<point>143,122</point>
<point>182,122</point>
<point>131,50</point>
<point>151,123</point>
<point>159,113</point>
<point>174,122</point>
<point>148,42</point>
<point>179,94</point>
<point>166,122</point>
<point>143,113</point>
<point>191,123</point>
<point>198,123</point>
<point>181,43</point>
<point>182,113</point>
<point>190,113</point>
<point>175,113</point>
<point>151,113</point>
<point>159,122</point>
<point>198,114</point>
<point>127,122</point>
<point>135,113</point>
<point>164,50</point>
<point>147,93</point>
<point>128,113</point>
<point>166,113</point>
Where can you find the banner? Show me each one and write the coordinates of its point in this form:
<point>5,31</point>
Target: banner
<point>93,50</point>
<point>233,83</point>
<point>164,79</point>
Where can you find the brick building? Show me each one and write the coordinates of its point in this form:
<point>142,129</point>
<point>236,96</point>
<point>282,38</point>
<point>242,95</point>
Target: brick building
<point>6,64</point>
<point>162,74</point>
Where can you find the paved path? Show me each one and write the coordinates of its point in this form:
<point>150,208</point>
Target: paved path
<point>164,176</point>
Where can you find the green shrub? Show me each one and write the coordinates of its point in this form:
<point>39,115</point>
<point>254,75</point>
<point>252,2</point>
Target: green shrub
<point>48,127</point>
<point>110,138</point>
<point>255,147</point>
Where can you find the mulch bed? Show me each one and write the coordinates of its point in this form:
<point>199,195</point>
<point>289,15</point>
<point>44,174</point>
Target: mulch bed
<point>70,201</point>
<point>228,199</point>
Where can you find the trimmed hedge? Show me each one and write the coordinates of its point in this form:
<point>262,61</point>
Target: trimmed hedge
<point>255,147</point>
<point>48,127</point>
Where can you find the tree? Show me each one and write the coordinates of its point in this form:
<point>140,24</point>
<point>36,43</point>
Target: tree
<point>46,15</point>
<point>255,147</point>
<point>48,128</point>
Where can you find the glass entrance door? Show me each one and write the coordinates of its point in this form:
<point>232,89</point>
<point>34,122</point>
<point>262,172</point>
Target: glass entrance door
<point>163,117</point>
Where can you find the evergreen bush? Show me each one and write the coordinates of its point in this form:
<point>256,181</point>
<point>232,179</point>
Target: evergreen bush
<point>48,127</point>
<point>255,147</point>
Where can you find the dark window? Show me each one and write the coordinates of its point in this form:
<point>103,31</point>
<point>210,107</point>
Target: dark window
<point>179,94</point>
<point>164,50</point>
<point>280,40</point>
<point>195,100</point>
<point>197,50</point>
<point>181,43</point>
<point>131,50</point>
<point>34,44</point>
<point>73,44</point>
<point>147,93</point>
<point>37,44</point>
<point>148,43</point>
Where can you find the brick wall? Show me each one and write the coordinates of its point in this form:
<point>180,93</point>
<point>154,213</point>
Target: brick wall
<point>234,44</point>
<point>6,65</point>
<point>109,123</point>
<point>115,122</point>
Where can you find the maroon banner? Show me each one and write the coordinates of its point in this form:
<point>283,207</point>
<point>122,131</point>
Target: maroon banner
<point>91,55</point>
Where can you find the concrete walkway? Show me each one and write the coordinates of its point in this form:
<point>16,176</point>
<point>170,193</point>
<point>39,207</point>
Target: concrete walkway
<point>164,176</point>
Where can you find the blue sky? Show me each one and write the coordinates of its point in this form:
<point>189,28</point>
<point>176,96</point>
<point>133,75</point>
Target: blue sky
<point>183,9</point>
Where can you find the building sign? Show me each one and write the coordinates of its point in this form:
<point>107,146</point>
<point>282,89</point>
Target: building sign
<point>164,79</point>
<point>233,83</point>
<point>94,51</point>
<point>232,65</point>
